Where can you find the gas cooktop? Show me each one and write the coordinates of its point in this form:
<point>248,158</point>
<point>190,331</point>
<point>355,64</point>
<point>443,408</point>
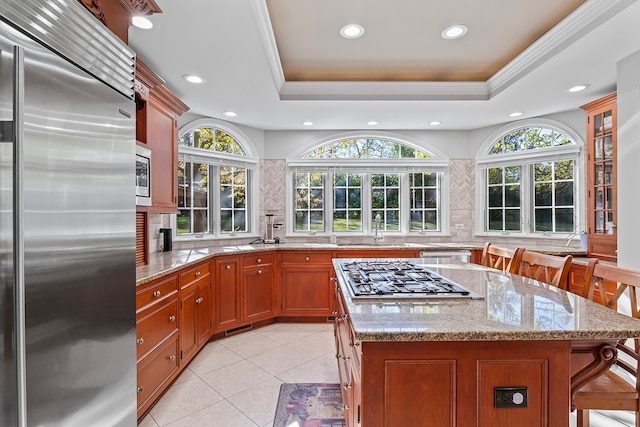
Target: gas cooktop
<point>400,279</point>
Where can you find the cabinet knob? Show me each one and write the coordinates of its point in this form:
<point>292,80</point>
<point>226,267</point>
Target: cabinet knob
<point>197,273</point>
<point>228,267</point>
<point>172,318</point>
<point>343,407</point>
<point>346,386</point>
<point>140,341</point>
<point>172,357</point>
<point>199,300</point>
<point>353,344</point>
<point>306,258</point>
<point>259,260</point>
<point>334,313</point>
<point>156,294</point>
<point>333,279</point>
<point>259,271</point>
<point>140,389</point>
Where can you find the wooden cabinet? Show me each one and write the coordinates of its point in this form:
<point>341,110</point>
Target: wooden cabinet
<point>601,171</point>
<point>258,287</point>
<point>156,338</point>
<point>157,112</point>
<point>196,305</point>
<point>227,293</point>
<point>306,283</point>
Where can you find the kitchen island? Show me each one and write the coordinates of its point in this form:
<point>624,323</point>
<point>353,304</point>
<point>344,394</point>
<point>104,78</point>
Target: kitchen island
<point>510,356</point>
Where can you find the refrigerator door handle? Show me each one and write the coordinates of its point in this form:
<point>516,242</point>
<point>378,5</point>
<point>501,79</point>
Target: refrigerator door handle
<point>18,234</point>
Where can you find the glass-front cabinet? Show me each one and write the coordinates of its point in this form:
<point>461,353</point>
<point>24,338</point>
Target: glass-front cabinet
<point>602,178</point>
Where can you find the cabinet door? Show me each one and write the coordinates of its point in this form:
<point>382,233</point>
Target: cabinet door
<point>228,308</point>
<point>307,291</point>
<point>162,140</point>
<point>188,329</point>
<point>602,210</point>
<point>204,322</point>
<point>258,293</point>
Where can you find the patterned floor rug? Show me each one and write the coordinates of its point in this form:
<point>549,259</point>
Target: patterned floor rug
<point>309,405</point>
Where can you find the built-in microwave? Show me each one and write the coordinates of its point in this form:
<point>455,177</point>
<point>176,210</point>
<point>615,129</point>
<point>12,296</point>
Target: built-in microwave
<point>143,176</point>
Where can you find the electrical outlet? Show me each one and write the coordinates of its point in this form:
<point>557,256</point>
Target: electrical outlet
<point>459,226</point>
<point>510,397</point>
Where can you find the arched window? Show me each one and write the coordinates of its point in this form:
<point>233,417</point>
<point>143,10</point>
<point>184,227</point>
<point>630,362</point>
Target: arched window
<point>367,184</point>
<point>529,176</point>
<point>213,152</point>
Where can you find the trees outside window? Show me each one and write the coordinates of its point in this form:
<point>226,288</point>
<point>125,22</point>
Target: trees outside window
<point>529,182</point>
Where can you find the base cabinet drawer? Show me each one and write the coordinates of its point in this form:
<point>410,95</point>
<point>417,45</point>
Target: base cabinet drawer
<point>155,326</point>
<point>155,369</point>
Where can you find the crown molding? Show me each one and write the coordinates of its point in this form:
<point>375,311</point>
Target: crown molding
<point>588,16</point>
<point>141,7</point>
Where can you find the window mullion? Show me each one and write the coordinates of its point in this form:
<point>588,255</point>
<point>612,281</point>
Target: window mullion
<point>366,203</point>
<point>214,200</point>
<point>328,201</point>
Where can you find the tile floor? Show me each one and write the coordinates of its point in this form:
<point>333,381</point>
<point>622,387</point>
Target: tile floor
<point>235,381</point>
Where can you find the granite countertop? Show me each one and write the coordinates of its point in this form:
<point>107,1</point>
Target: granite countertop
<point>162,263</point>
<point>511,308</point>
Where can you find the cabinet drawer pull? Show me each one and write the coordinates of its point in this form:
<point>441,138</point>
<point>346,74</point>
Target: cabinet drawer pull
<point>353,343</point>
<point>334,313</point>
<point>172,357</point>
<point>156,294</point>
<point>140,389</point>
<point>343,407</point>
<point>259,260</point>
<point>346,386</point>
<point>140,341</point>
<point>306,258</point>
<point>228,267</point>
<point>259,271</point>
<point>197,273</point>
<point>172,318</point>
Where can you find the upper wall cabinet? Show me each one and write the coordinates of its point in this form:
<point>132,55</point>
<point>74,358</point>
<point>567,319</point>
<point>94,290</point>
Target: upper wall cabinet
<point>157,112</point>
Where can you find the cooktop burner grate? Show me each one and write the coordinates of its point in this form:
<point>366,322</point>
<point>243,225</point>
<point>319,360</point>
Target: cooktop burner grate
<point>399,278</point>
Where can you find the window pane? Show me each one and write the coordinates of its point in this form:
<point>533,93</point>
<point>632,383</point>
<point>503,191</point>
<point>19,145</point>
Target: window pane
<point>563,170</point>
<point>354,198</point>
<point>377,180</point>
<point>226,196</point>
<point>183,222</point>
<point>494,176</point>
<point>309,201</point>
<point>301,179</point>
<point>512,219</point>
<point>340,179</point>
<point>316,200</point>
<point>302,221</point>
<point>340,198</point>
<point>512,196</point>
<point>416,179</point>
<point>316,221</point>
<point>392,198</point>
<point>200,221</point>
<point>430,179</point>
<point>430,198</point>
<point>392,220</point>
<point>543,220</point>
<point>315,179</point>
<point>512,174</point>
<point>564,194</point>
<point>495,219</point>
<point>543,195</point>
<point>564,220</point>
<point>416,220</point>
<point>542,171</point>
<point>431,220</point>
<point>377,199</point>
<point>226,221</point>
<point>495,196</point>
<point>302,198</point>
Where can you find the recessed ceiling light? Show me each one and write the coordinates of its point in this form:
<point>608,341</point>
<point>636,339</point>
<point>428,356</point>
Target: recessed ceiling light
<point>141,22</point>
<point>307,123</point>
<point>230,113</point>
<point>435,123</point>
<point>372,122</point>
<point>192,78</point>
<point>352,31</point>
<point>578,88</point>
<point>515,114</point>
<point>454,31</point>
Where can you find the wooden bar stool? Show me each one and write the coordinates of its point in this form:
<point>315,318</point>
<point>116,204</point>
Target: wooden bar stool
<point>550,269</point>
<point>501,258</point>
<point>618,388</point>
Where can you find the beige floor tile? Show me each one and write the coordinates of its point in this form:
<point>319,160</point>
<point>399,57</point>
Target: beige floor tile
<point>213,356</point>
<point>312,372</point>
<point>235,378</point>
<point>186,375</point>
<point>285,337</point>
<point>148,421</point>
<point>220,414</point>
<point>279,360</point>
<point>329,359</point>
<point>183,399</point>
<point>259,402</point>
<point>250,345</point>
<point>314,346</point>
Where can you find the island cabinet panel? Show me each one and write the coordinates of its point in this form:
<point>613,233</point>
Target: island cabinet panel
<point>196,307</point>
<point>440,383</point>
<point>227,291</point>
<point>156,338</point>
<point>258,287</point>
<point>306,283</point>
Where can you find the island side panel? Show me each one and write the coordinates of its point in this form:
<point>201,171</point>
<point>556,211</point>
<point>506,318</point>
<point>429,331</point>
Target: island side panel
<point>452,383</point>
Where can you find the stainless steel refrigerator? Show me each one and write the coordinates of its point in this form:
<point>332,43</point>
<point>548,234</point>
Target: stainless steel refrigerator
<point>67,218</point>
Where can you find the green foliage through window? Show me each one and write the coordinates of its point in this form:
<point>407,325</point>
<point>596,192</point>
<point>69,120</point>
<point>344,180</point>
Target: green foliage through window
<point>365,148</point>
<point>529,138</point>
<point>211,139</point>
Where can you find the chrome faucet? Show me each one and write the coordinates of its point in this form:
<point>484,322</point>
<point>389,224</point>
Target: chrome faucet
<point>376,221</point>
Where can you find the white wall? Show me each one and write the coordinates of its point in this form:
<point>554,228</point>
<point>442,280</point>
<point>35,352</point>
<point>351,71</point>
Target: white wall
<point>629,161</point>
